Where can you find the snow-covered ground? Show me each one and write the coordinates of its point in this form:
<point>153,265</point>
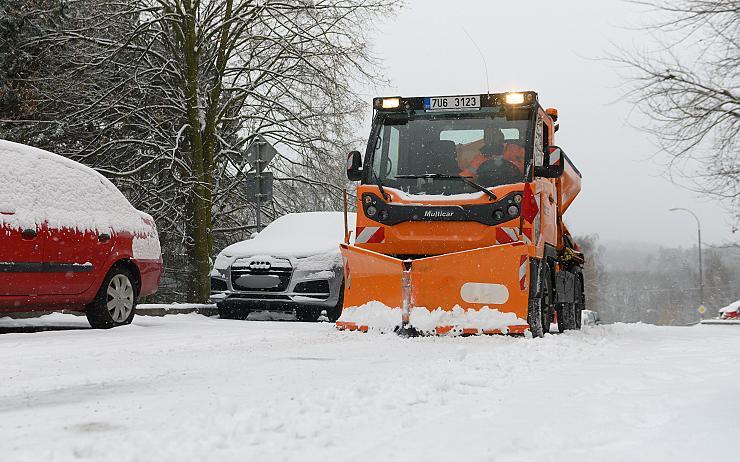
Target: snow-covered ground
<point>191,388</point>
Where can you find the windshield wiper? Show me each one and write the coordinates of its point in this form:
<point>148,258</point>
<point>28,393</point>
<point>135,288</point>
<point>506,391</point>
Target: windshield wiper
<point>453,177</point>
<point>386,196</point>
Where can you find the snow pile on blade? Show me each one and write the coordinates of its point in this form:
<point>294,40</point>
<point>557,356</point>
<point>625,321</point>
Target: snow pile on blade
<point>484,319</point>
<point>375,315</point>
<point>381,318</point>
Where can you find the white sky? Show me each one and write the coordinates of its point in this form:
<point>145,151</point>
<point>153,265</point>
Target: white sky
<point>552,47</point>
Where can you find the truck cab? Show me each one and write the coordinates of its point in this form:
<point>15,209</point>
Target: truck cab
<point>446,175</point>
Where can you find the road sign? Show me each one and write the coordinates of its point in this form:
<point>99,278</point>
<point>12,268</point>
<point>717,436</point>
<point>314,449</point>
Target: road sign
<point>259,184</point>
<point>702,309</point>
<point>260,148</point>
<point>253,186</point>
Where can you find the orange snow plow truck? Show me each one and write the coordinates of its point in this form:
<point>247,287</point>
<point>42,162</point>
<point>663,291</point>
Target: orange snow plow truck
<point>459,220</point>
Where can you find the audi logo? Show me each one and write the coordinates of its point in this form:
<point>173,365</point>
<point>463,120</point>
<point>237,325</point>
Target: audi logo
<point>259,265</point>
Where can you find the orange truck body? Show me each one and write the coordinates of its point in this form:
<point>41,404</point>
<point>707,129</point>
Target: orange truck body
<point>457,269</point>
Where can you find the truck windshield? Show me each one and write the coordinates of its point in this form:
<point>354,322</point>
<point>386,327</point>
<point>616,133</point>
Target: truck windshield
<point>426,153</point>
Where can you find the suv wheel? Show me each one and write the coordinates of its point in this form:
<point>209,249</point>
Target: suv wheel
<point>229,311</point>
<point>335,311</point>
<point>307,314</point>
<point>115,303</point>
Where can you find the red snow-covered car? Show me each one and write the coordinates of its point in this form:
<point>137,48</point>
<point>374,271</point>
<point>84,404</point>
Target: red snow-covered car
<point>69,240</point>
<point>731,311</point>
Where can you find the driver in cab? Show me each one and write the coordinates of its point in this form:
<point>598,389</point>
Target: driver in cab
<point>491,161</point>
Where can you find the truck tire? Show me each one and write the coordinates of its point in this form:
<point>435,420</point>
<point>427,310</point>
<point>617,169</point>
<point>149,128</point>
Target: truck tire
<point>229,311</point>
<point>566,316</point>
<point>307,313</point>
<point>534,318</point>
<point>546,306</point>
<point>115,303</point>
<point>580,300</point>
<point>335,311</point>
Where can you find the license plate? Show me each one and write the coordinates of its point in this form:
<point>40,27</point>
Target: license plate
<point>258,281</point>
<point>438,103</point>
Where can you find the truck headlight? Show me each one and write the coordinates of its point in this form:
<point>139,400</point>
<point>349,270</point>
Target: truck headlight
<point>391,103</point>
<point>514,98</point>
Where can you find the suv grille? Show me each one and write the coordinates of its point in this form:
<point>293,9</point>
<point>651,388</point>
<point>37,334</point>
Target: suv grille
<point>277,269</point>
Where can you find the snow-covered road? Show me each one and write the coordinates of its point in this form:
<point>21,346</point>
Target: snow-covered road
<point>190,388</point>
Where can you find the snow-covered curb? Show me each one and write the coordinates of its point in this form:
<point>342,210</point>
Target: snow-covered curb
<point>162,309</point>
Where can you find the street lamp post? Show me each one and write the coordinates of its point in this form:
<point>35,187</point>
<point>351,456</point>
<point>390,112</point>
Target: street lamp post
<point>701,272</point>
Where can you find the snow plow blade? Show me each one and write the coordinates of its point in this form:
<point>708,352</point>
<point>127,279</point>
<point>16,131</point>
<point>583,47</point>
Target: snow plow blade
<point>484,290</point>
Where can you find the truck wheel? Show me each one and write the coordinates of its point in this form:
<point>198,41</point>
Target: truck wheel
<point>566,316</point>
<point>534,318</point>
<point>335,311</point>
<point>229,311</point>
<point>307,314</point>
<point>115,303</point>
<point>546,307</point>
<point>580,301</point>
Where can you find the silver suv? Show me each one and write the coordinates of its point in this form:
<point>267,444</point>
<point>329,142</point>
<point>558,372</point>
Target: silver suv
<point>294,264</point>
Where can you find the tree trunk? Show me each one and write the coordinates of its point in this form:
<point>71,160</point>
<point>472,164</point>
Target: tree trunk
<point>202,200</point>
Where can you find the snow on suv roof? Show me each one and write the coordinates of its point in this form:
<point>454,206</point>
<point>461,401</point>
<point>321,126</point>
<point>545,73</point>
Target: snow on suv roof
<point>296,235</point>
<point>38,187</point>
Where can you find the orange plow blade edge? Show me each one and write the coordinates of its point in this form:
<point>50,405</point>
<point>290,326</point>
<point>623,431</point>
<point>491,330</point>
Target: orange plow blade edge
<point>484,290</point>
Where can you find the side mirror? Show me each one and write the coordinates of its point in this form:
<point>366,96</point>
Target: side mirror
<point>253,235</point>
<point>554,163</point>
<point>354,166</point>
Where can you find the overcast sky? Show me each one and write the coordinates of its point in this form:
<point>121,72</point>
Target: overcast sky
<point>552,47</point>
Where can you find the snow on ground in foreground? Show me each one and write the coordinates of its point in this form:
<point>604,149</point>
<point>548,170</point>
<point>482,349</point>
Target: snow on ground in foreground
<point>191,388</point>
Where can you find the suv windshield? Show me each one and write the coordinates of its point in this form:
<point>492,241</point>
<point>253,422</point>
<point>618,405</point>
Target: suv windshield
<point>428,153</point>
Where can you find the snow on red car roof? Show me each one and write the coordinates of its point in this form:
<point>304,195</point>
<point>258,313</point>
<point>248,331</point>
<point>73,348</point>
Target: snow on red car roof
<point>39,186</point>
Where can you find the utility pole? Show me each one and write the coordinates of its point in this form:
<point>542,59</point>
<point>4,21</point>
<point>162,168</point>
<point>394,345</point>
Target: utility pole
<point>701,272</point>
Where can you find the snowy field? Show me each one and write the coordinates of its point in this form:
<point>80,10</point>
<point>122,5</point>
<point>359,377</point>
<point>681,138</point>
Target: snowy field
<point>190,388</point>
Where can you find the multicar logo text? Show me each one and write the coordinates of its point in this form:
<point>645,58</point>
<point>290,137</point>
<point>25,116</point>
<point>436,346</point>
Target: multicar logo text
<point>437,213</point>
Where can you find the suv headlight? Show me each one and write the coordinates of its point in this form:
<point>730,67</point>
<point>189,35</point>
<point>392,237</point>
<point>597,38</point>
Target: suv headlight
<point>222,262</point>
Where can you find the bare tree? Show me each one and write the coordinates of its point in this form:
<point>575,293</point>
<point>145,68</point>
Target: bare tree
<point>689,85</point>
<point>170,92</point>
<point>594,272</point>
